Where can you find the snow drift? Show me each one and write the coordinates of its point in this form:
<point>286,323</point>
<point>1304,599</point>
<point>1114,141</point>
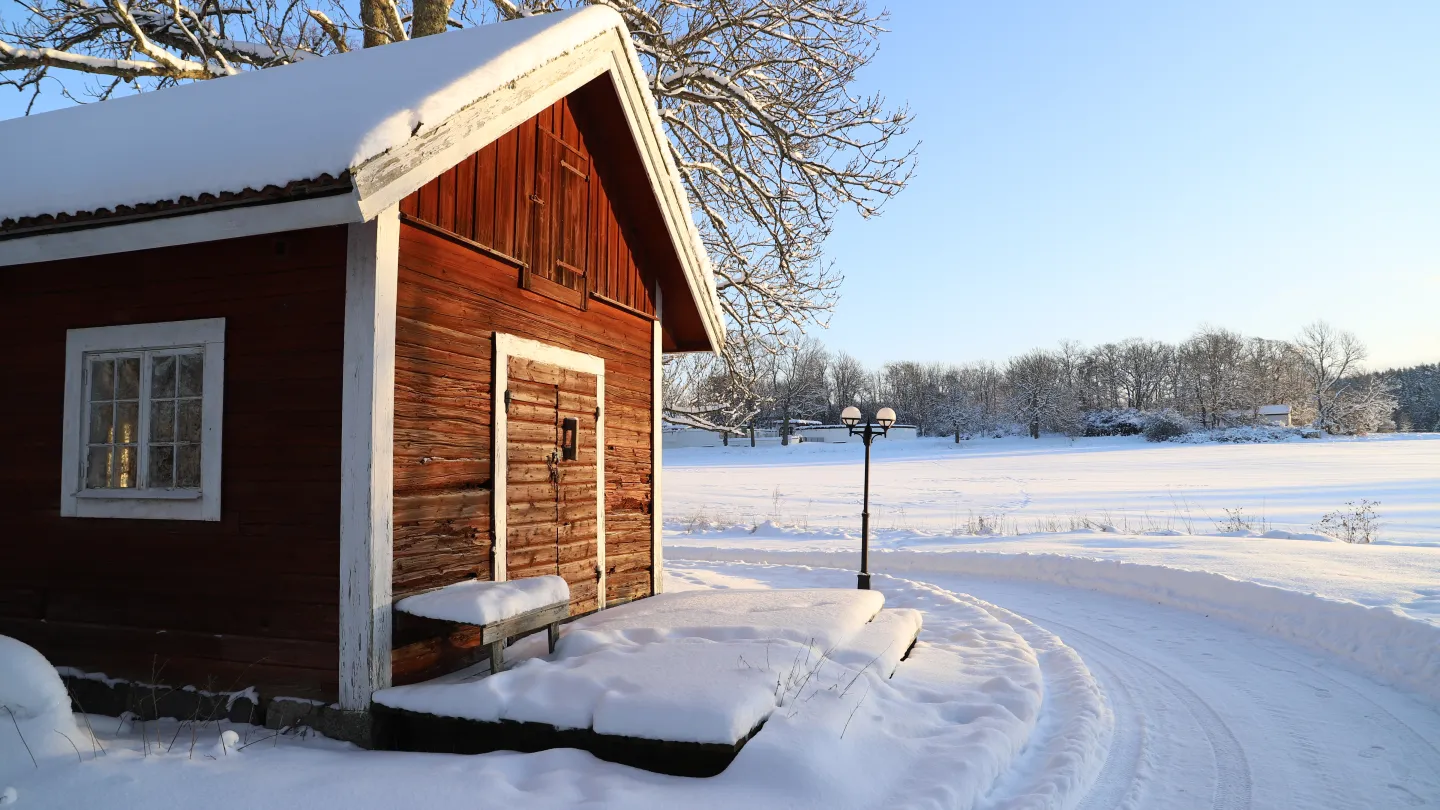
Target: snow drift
<point>37,728</point>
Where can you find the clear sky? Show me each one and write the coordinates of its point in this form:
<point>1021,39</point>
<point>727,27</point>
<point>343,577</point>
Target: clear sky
<point>1111,169</point>
<point>1129,168</point>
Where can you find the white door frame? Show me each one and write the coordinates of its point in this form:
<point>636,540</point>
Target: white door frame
<point>506,347</point>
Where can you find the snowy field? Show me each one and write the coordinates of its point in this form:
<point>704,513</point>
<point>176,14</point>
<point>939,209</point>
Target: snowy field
<point>1120,499</point>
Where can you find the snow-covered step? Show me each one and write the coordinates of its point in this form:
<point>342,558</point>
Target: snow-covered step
<point>677,683</point>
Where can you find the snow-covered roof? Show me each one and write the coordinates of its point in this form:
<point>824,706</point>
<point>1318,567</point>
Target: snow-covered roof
<point>386,120</point>
<point>270,127</point>
<point>1273,410</point>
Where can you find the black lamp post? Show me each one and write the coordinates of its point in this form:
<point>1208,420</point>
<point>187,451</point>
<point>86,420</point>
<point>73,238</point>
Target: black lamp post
<point>867,433</point>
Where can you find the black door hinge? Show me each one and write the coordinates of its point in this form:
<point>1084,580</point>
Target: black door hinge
<point>507,401</point>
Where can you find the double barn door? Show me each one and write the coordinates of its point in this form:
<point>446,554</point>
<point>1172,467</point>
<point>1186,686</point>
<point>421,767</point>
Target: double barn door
<point>553,473</point>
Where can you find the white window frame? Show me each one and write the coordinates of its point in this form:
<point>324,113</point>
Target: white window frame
<point>159,504</point>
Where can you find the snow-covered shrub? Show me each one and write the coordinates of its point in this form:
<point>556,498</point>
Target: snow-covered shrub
<point>1114,422</point>
<point>36,725</point>
<point>1166,425</point>
<point>1250,434</point>
<point>1355,523</point>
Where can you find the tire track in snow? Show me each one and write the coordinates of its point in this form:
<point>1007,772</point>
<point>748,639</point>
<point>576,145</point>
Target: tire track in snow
<point>1232,767</point>
<point>1121,782</point>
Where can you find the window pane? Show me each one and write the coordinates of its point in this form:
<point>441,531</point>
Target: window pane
<point>102,421</point>
<point>162,376</point>
<point>124,473</point>
<point>162,466</point>
<point>192,368</point>
<point>189,421</point>
<point>187,466</point>
<point>102,379</point>
<point>127,378</point>
<point>97,468</point>
<point>127,422</point>
<point>162,420</point>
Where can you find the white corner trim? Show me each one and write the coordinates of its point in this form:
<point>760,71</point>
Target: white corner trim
<point>181,229</point>
<point>366,458</point>
<point>657,515</point>
<point>204,504</point>
<point>506,347</point>
<point>632,86</point>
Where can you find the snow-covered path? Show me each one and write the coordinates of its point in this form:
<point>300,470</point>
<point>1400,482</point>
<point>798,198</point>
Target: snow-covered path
<point>1211,715</point>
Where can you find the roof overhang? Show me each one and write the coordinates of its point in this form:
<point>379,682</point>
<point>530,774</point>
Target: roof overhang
<point>381,182</point>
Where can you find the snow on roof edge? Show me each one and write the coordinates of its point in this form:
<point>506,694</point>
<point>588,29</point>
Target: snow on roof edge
<point>274,126</point>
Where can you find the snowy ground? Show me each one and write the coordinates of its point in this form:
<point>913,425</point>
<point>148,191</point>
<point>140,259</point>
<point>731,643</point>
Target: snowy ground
<point>1092,669</point>
<point>984,697</point>
<point>1113,498</point>
<point>1241,670</point>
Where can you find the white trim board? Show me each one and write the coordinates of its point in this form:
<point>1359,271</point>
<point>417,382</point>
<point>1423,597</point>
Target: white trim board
<point>201,504</point>
<point>231,223</point>
<point>657,516</point>
<point>506,347</point>
<point>367,426</point>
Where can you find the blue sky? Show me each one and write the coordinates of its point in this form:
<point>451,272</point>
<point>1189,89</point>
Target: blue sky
<point>1112,169</point>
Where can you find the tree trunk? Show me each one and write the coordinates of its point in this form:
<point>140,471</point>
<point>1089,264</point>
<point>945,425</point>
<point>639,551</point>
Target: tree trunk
<point>752,432</point>
<point>375,16</point>
<point>431,17</point>
<point>1035,429</point>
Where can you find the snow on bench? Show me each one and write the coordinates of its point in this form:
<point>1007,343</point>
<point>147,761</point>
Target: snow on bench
<point>480,603</point>
<point>694,667</point>
<point>500,609</point>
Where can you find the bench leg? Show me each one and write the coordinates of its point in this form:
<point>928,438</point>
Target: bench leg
<point>497,656</point>
<point>553,631</point>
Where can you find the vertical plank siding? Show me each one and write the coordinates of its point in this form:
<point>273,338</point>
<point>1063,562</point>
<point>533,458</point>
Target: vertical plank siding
<point>454,295</point>
<point>486,199</point>
<point>251,599</point>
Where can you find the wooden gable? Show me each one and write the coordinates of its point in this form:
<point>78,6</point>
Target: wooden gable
<point>541,200</point>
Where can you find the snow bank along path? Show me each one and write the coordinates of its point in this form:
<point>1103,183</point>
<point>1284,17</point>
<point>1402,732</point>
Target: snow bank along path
<point>1211,715</point>
<point>1381,642</point>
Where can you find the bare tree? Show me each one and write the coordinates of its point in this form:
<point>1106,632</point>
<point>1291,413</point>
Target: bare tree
<point>1212,365</point>
<point>849,384</point>
<point>797,384</point>
<point>1365,406</point>
<point>1329,356</point>
<point>1039,396</point>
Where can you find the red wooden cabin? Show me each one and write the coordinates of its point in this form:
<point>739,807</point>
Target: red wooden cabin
<point>315,353</point>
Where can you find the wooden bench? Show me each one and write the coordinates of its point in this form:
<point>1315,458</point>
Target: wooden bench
<point>495,634</point>
<point>455,625</point>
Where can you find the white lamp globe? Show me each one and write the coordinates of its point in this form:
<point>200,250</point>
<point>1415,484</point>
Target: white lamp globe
<point>886,417</point>
<point>850,417</point>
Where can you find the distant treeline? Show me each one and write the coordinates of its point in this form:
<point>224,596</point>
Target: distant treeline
<point>1216,378</point>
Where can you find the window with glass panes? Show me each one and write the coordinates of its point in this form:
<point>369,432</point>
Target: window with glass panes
<point>144,422</point>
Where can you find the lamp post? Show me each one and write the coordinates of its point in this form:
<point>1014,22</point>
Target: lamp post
<point>884,418</point>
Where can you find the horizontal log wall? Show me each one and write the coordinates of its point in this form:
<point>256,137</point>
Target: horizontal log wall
<point>452,300</point>
<point>249,600</point>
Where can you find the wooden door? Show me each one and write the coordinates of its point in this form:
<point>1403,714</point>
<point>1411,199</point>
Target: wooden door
<point>552,522</point>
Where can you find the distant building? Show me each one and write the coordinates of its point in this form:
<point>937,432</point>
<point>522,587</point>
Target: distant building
<point>1273,415</point>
